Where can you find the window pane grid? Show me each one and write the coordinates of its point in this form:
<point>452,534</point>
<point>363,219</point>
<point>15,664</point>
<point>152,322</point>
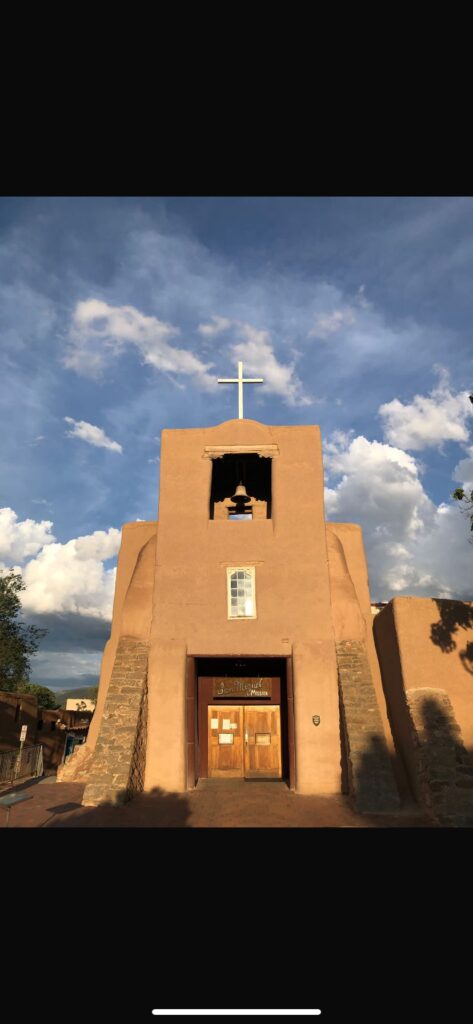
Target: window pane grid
<point>242,603</point>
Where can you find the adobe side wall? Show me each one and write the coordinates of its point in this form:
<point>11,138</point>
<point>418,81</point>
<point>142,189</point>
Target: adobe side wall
<point>351,537</point>
<point>135,586</point>
<point>424,642</point>
<point>371,755</point>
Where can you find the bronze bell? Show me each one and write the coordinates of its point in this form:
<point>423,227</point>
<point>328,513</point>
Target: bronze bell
<point>240,497</point>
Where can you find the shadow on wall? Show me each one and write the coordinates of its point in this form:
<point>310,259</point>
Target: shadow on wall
<point>454,615</point>
<point>446,767</point>
<point>373,776</point>
<point>156,809</point>
<point>443,765</point>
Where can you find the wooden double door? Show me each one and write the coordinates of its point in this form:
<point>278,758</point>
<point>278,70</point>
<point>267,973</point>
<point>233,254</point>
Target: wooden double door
<point>244,741</point>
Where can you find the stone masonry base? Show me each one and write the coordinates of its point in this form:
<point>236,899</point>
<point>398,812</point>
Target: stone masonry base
<point>371,781</point>
<point>116,769</point>
<point>443,766</point>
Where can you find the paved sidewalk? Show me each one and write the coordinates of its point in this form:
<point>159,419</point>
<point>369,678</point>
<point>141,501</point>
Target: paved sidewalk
<point>45,794</point>
<point>212,804</point>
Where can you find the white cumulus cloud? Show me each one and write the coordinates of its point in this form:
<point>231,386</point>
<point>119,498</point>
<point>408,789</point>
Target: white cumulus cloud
<point>217,325</point>
<point>100,332</point>
<point>257,354</point>
<point>328,324</point>
<point>379,488</point>
<point>463,471</point>
<point>72,577</point>
<point>21,540</point>
<point>430,420</point>
<point>354,455</point>
<point>413,546</point>
<point>68,577</point>
<point>93,435</point>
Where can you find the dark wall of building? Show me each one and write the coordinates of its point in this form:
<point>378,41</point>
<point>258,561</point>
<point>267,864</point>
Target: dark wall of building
<point>17,710</point>
<point>45,726</point>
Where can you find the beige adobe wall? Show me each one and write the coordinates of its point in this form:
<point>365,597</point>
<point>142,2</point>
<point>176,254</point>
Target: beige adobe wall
<point>351,538</point>
<point>132,605</point>
<point>353,621</point>
<point>166,742</point>
<point>410,659</point>
<point>79,704</point>
<point>348,621</point>
<point>289,554</point>
<point>390,664</point>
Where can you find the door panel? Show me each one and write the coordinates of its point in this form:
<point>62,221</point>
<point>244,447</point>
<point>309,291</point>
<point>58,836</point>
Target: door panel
<point>262,728</point>
<point>225,742</point>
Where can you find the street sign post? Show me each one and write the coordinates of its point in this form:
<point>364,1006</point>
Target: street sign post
<point>24,730</point>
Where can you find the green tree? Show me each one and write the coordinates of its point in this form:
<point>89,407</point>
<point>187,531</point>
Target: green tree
<point>466,504</point>
<point>17,640</point>
<point>46,698</point>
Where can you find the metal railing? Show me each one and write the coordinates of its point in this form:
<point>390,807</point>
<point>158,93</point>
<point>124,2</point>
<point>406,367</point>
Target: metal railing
<point>24,764</point>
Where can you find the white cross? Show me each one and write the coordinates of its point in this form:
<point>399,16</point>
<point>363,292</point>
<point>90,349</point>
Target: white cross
<point>240,381</point>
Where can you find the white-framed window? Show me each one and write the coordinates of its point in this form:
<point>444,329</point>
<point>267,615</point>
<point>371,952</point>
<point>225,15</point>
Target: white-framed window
<point>241,595</point>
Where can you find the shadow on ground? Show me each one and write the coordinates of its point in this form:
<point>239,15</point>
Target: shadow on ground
<point>156,809</point>
<point>227,806</point>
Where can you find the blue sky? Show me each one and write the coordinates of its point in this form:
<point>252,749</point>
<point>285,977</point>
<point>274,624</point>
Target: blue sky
<point>117,315</point>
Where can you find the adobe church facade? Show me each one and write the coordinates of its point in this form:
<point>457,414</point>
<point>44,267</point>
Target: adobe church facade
<point>242,641</point>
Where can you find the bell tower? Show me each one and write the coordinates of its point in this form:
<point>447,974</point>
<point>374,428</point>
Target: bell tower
<point>275,543</point>
<point>241,642</point>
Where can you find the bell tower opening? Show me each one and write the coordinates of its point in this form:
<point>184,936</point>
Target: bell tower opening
<point>241,487</point>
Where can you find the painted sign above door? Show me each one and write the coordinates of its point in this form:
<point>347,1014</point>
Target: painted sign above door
<point>257,686</point>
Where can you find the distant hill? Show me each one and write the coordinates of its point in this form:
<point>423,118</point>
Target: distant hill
<point>81,691</point>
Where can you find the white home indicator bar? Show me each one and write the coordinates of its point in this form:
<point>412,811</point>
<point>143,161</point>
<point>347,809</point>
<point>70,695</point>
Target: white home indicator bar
<point>236,1013</point>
